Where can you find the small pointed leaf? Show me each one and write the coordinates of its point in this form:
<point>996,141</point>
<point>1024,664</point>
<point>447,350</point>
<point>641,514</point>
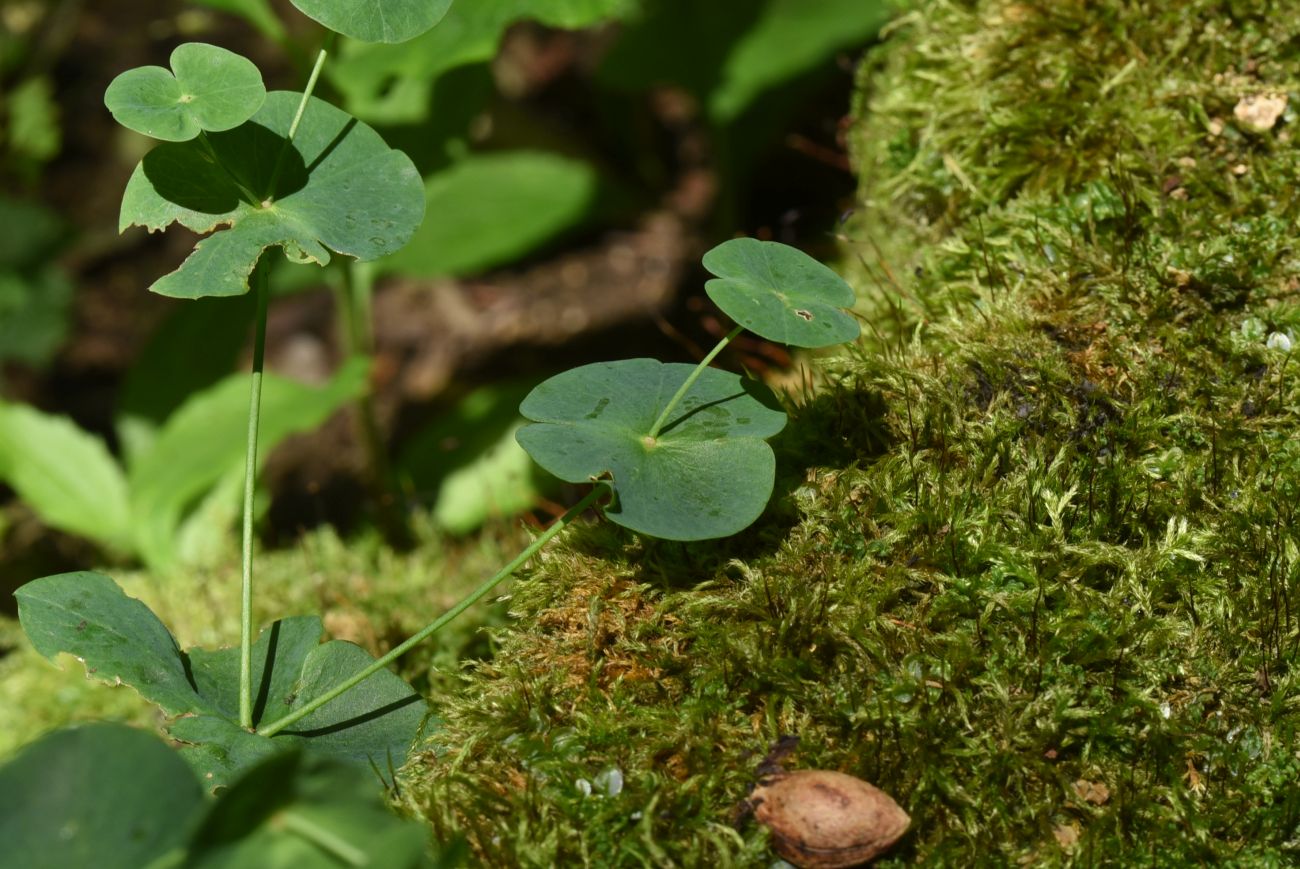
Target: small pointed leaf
<point>376,20</point>
<point>708,474</point>
<point>208,88</point>
<point>121,641</point>
<point>102,795</point>
<point>780,293</point>
<point>340,188</point>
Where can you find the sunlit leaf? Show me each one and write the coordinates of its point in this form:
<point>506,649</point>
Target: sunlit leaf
<point>338,187</point>
<point>376,20</point>
<point>207,88</point>
<point>780,293</point>
<point>708,474</point>
<point>65,474</point>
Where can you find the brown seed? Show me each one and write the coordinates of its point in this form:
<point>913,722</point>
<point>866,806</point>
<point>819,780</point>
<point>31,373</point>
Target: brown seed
<point>826,820</point>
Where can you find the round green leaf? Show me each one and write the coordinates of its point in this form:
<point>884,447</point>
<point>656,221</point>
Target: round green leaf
<point>339,187</point>
<point>208,88</point>
<point>102,795</point>
<point>780,293</point>
<point>708,474</point>
<point>376,20</point>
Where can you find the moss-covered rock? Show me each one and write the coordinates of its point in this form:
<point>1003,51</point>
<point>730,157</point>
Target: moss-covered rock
<point>1032,566</point>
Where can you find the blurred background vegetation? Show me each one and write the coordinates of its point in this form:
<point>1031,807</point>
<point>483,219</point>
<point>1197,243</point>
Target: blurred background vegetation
<point>578,157</point>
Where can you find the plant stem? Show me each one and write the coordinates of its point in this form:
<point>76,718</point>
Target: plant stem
<point>293,126</point>
<point>433,627</point>
<point>250,478</point>
<point>325,839</point>
<point>355,307</point>
<point>690,381</point>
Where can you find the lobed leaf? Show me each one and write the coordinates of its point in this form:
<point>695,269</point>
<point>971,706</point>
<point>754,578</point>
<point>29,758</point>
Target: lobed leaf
<point>708,474</point>
<point>780,293</point>
<point>376,20</point>
<point>122,642</point>
<point>338,187</point>
<point>207,88</point>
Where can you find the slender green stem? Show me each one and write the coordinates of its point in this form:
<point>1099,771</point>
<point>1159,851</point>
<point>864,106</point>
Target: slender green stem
<point>356,311</point>
<point>250,478</point>
<point>325,839</point>
<point>433,627</point>
<point>293,126</point>
<point>690,381</point>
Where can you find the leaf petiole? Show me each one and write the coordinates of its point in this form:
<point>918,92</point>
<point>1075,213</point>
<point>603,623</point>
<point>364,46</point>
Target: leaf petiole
<point>690,381</point>
<point>293,126</point>
<point>250,479</point>
<point>600,488</point>
<point>322,837</point>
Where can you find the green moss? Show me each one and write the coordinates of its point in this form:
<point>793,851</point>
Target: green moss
<point>1032,566</point>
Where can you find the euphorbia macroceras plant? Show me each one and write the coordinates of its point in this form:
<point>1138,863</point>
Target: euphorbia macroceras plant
<point>673,450</point>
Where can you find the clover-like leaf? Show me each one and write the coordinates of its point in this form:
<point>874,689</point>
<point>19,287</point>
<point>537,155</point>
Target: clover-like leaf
<point>121,641</point>
<point>207,88</point>
<point>376,20</point>
<point>337,186</point>
<point>709,473</point>
<point>780,293</point>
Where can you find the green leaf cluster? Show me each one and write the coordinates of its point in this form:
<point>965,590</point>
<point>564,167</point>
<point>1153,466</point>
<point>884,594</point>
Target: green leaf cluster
<point>336,186</point>
<point>121,641</point>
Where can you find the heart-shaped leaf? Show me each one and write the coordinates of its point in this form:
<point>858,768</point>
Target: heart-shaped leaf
<point>708,474</point>
<point>780,293</point>
<point>102,795</point>
<point>207,88</point>
<point>338,187</point>
<point>376,20</point>
<point>120,640</point>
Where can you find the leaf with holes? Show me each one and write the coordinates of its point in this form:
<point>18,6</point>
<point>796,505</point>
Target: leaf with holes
<point>207,88</point>
<point>337,186</point>
<point>709,473</point>
<point>121,641</point>
<point>780,293</point>
<point>376,20</point>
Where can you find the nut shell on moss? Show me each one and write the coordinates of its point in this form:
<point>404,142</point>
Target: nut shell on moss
<point>824,820</point>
